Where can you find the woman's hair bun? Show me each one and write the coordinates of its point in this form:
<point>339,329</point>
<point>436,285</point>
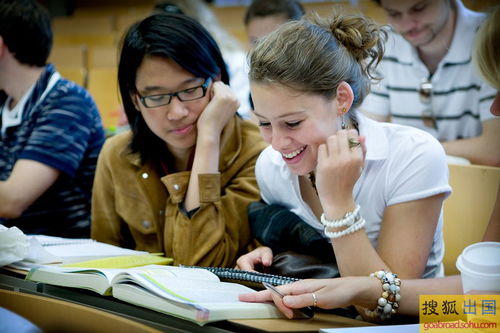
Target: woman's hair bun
<point>360,35</point>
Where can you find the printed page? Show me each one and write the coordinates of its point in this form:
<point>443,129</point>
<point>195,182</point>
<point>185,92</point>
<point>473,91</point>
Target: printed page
<point>109,274</point>
<point>185,285</point>
<point>91,279</point>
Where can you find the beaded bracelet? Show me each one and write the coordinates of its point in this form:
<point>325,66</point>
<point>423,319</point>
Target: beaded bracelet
<point>347,220</point>
<point>360,223</point>
<point>388,303</point>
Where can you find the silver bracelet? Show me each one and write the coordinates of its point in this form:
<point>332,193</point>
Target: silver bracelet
<point>347,220</point>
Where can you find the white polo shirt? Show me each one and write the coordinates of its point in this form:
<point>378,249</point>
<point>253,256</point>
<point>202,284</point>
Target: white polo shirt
<point>402,164</point>
<point>461,100</point>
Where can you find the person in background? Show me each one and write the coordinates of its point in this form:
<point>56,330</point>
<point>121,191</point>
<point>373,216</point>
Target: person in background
<point>365,291</point>
<point>374,189</point>
<point>180,181</point>
<point>232,51</point>
<point>51,131</point>
<point>427,68</point>
<point>264,16</point>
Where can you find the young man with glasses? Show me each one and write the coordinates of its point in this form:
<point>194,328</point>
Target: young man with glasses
<point>429,81</point>
<point>180,181</point>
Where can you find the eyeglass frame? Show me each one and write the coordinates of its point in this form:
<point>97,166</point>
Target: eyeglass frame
<point>204,86</point>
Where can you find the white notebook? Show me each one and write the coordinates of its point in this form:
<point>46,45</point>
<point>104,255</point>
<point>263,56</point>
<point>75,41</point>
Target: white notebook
<point>52,240</point>
<point>49,249</point>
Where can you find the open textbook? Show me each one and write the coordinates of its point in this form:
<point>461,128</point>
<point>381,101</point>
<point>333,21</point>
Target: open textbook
<point>189,293</point>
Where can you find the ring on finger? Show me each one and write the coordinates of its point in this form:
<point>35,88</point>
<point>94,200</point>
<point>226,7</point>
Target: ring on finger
<point>315,299</point>
<point>353,143</point>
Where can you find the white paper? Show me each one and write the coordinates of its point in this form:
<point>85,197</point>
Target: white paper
<point>13,245</point>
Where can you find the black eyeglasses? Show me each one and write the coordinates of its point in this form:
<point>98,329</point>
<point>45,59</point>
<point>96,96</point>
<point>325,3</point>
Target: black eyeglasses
<point>154,101</point>
<point>425,94</point>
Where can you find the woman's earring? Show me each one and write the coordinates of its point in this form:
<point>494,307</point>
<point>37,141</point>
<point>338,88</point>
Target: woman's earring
<point>342,124</point>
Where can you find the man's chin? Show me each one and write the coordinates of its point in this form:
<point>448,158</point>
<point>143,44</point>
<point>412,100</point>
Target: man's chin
<point>422,40</point>
<point>419,42</point>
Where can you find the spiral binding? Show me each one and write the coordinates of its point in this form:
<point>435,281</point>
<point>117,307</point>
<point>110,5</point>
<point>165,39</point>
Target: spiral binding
<point>240,275</point>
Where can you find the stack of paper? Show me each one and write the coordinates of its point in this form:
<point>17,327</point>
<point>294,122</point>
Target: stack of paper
<point>45,250</point>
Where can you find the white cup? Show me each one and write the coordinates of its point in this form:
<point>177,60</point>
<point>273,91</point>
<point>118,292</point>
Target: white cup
<point>479,265</point>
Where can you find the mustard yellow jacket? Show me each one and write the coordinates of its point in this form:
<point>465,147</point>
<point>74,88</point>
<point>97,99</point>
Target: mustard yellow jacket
<point>133,207</point>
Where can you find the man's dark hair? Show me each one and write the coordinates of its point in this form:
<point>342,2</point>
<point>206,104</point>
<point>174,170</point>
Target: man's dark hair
<point>173,36</point>
<point>291,9</point>
<point>25,29</point>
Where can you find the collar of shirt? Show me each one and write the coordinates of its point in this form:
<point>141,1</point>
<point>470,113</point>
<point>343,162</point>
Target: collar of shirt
<point>377,145</point>
<point>460,49</point>
<point>13,117</point>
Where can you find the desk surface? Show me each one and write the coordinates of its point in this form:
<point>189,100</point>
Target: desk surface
<point>320,320</point>
<point>13,280</point>
<point>54,315</point>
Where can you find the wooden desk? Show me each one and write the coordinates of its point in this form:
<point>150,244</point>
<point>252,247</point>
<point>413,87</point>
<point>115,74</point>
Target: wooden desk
<point>14,280</point>
<point>53,315</point>
<point>320,320</point>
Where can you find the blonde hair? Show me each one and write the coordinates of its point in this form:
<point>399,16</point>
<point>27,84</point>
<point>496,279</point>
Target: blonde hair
<point>314,55</point>
<point>486,49</point>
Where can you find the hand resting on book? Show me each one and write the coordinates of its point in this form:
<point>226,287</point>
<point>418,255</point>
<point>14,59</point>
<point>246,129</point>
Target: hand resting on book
<point>329,294</point>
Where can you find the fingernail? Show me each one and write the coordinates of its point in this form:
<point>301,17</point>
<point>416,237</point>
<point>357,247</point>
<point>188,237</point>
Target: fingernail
<point>288,300</point>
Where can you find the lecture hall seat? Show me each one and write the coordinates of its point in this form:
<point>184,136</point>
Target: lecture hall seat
<point>467,211</point>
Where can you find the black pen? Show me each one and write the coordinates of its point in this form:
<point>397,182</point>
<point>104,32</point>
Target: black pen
<point>306,312</point>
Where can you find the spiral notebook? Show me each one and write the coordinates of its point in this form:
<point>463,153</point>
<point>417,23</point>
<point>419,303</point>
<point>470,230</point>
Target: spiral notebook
<point>250,279</point>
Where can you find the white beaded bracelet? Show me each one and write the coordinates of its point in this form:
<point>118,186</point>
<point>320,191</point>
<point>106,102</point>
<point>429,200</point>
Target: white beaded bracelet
<point>388,302</point>
<point>347,220</point>
<point>353,228</point>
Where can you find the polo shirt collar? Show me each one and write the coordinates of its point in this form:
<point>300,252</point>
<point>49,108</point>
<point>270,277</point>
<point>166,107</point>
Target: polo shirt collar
<point>465,25</point>
<point>465,28</point>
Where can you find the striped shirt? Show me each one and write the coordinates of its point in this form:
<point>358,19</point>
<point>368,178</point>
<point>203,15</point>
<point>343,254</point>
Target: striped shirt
<point>460,99</point>
<point>63,131</point>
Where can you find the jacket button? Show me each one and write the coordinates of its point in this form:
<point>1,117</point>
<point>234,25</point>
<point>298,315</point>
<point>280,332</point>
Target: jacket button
<point>146,224</point>
<point>176,187</point>
<point>145,175</point>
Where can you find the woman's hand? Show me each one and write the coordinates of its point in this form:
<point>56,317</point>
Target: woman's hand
<point>339,167</point>
<point>222,106</point>
<point>262,255</point>
<point>330,294</point>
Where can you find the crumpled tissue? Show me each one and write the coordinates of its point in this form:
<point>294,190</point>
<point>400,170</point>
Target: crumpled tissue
<point>13,245</point>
